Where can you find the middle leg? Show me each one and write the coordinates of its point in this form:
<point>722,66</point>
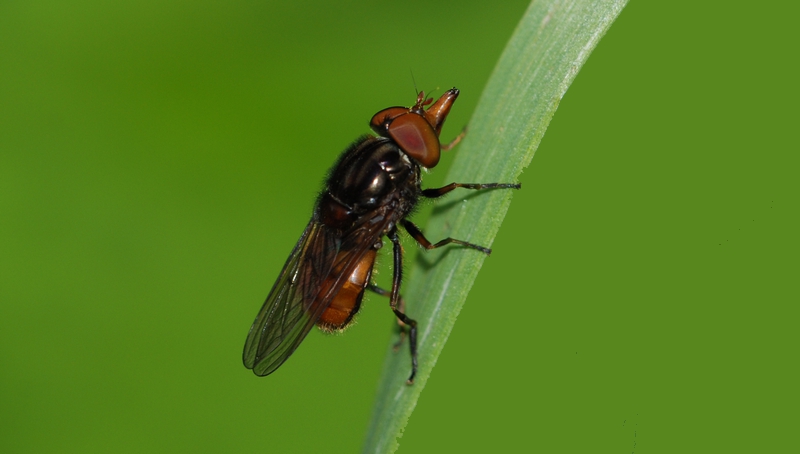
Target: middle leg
<point>416,233</point>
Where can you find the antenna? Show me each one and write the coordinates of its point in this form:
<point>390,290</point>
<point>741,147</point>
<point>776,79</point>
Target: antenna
<point>416,92</point>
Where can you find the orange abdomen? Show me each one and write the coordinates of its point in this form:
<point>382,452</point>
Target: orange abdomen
<point>348,300</point>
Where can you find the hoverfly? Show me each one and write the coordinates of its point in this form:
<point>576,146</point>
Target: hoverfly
<point>369,192</point>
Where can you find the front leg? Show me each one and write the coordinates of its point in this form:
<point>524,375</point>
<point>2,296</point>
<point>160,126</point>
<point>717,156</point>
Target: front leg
<point>438,192</point>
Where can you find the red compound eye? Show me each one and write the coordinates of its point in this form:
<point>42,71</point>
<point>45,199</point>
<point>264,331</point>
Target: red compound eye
<point>417,138</point>
<point>416,130</point>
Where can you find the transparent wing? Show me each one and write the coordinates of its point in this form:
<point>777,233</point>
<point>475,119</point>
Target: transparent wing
<point>315,271</point>
<point>283,317</point>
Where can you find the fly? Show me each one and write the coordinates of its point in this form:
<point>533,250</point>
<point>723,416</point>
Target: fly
<point>370,190</point>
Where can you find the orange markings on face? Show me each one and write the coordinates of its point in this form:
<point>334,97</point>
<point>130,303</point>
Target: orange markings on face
<point>437,113</point>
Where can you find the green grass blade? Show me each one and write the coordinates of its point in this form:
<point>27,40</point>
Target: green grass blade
<point>549,46</point>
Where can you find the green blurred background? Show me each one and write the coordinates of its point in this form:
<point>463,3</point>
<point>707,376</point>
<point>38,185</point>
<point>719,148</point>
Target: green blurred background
<point>158,161</point>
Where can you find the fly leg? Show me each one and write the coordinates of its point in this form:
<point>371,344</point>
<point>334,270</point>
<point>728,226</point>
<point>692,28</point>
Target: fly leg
<point>454,142</point>
<point>394,301</point>
<point>417,234</point>
<point>438,192</point>
<point>401,305</point>
<point>433,193</point>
